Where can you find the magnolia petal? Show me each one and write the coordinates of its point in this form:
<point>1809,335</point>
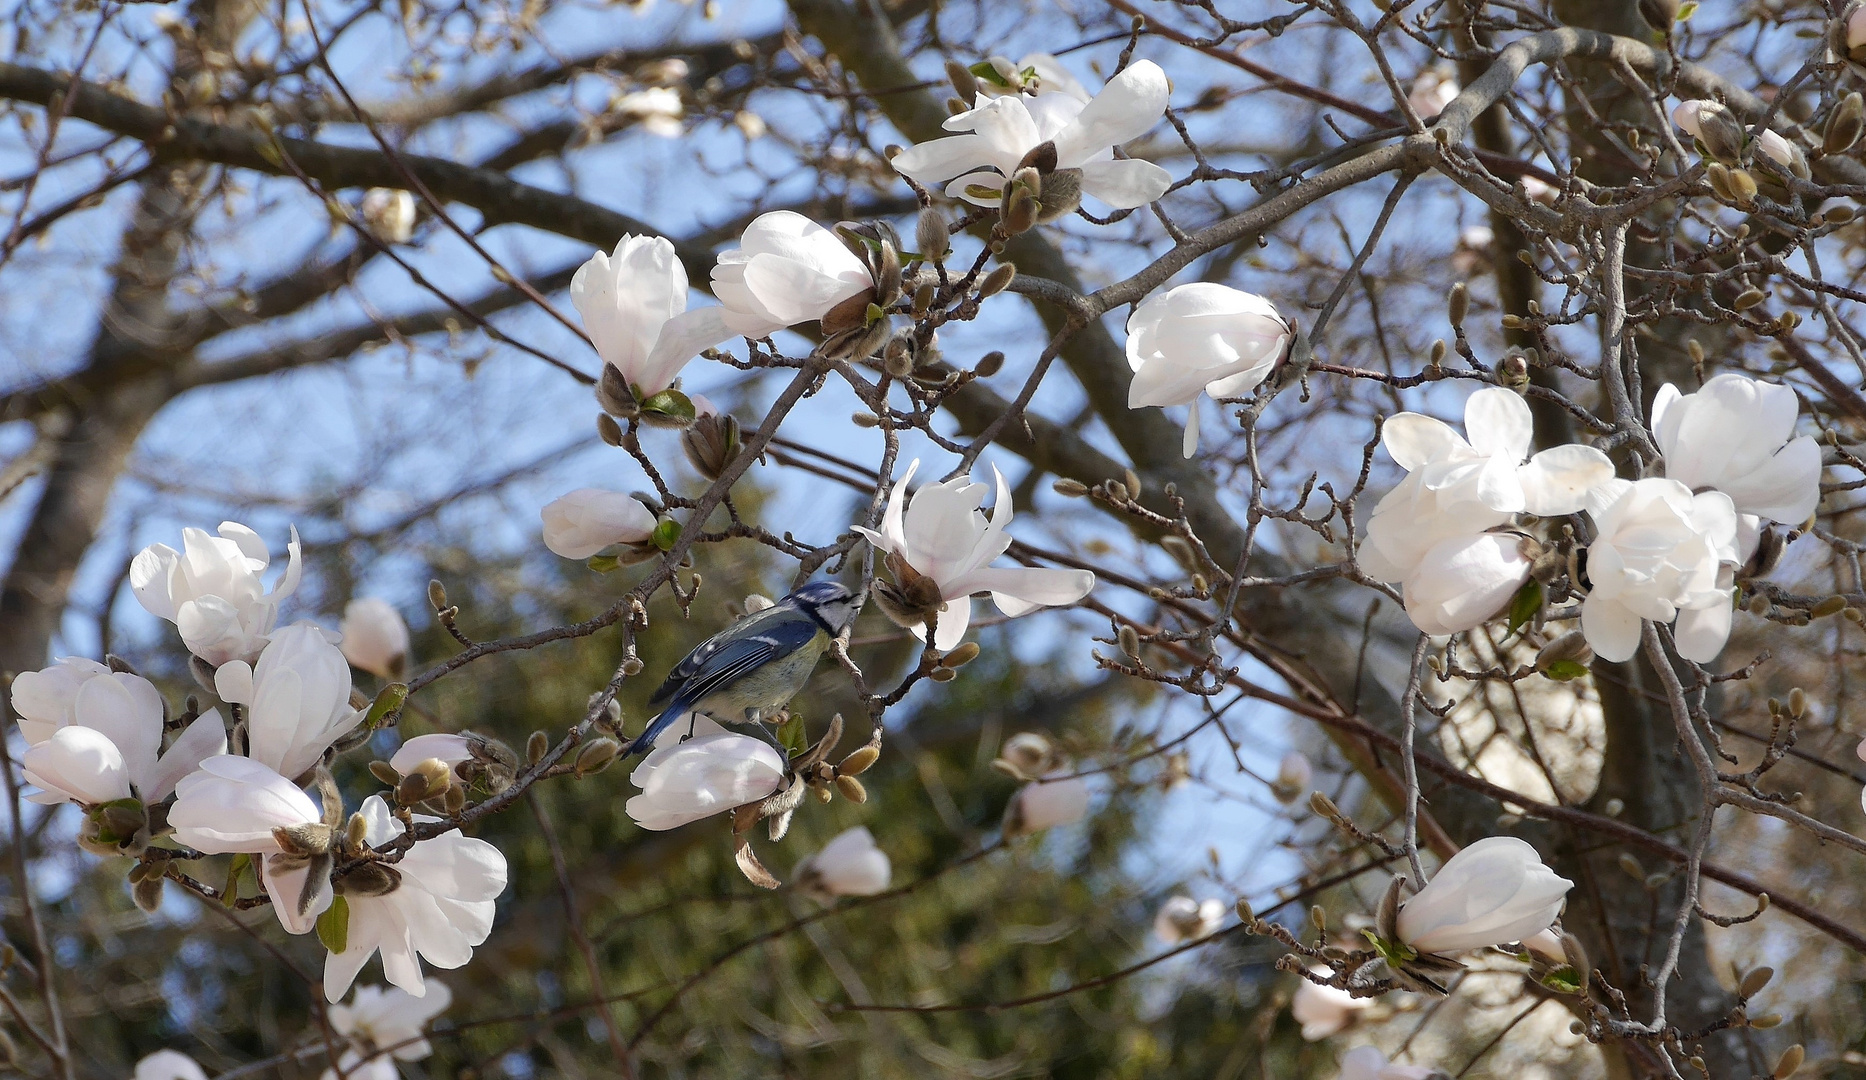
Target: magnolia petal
<point>1787,487</point>
<point>1189,443</point>
<point>1557,480</point>
<point>1127,108</point>
<point>203,739</point>
<point>1414,439</point>
<point>1611,630</point>
<point>796,291</point>
<point>683,337</point>
<point>954,618</point>
<point>1498,424</point>
<point>1018,590</point>
<point>77,764</point>
<point>1126,183</point>
<point>1702,632</point>
<point>939,160</point>
<point>286,887</point>
<point>233,681</point>
<point>959,188</point>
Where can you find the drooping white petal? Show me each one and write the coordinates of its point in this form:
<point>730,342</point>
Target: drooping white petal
<point>232,804</point>
<point>1127,108</point>
<point>1556,481</point>
<point>206,737</point>
<point>1414,440</point>
<point>285,879</point>
<point>77,764</point>
<point>681,339</point>
<point>1126,183</point>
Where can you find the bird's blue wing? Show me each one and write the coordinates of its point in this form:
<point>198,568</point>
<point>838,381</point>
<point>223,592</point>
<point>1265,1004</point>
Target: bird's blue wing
<point>718,664</point>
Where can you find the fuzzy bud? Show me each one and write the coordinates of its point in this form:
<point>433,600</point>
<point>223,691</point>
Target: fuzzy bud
<point>1073,489</point>
<point>859,761</point>
<point>597,756</point>
<point>989,364</point>
<point>930,233</point>
<point>1754,981</point>
<point>1130,641</point>
<point>437,595</point>
<point>1845,125</point>
<point>1458,304</point>
<point>851,789</point>
<point>997,281</point>
<point>964,654</point>
<point>1789,1063</point>
<point>536,746</point>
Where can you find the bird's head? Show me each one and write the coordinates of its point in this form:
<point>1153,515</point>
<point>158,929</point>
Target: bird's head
<point>831,603</point>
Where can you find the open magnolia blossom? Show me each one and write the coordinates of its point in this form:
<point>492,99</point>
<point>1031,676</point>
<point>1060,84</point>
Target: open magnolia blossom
<point>168,1065</point>
<point>1182,919</point>
<point>1664,554</point>
<point>940,550</point>
<point>375,639</point>
<point>1464,581</point>
<point>388,1025</point>
<point>391,213</point>
<point>786,270</point>
<point>1202,338</point>
<point>1325,1010</point>
<point>1004,134</point>
<point>849,865</point>
<point>1036,74</point>
<point>211,591</point>
<point>1434,89</point>
<point>633,302</point>
<point>1721,134</point>
<point>587,520</point>
<point>439,907</point>
<point>446,748</point>
<point>1369,1063</point>
<point>1493,892</point>
<point>1057,799</point>
<point>1737,435</point>
<point>235,805</point>
<point>711,773</point>
<point>297,698</point>
<point>94,735</point>
<point>1460,487</point>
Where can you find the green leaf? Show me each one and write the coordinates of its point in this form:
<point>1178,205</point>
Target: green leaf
<point>230,892</point>
<point>1527,602</point>
<point>791,734</point>
<point>670,404</point>
<point>666,534</point>
<point>1394,953</point>
<point>333,927</point>
<point>388,699</point>
<point>873,314</point>
<point>980,191</point>
<point>1566,670</point>
<point>984,70</point>
<point>1563,980</point>
<point>1686,10</point>
<point>604,564</point>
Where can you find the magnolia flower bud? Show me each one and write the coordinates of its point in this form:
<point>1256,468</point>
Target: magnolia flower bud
<point>1714,126</point>
<point>1058,799</point>
<point>375,639</point>
<point>1497,890</point>
<point>1324,1010</point>
<point>997,281</point>
<point>1032,753</point>
<point>587,520</point>
<point>390,214</point>
<point>849,865</point>
<point>712,442</point>
<point>1293,774</point>
<point>1182,919</point>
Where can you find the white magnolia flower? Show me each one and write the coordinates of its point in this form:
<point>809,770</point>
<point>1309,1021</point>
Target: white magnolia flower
<point>1659,553</point>
<point>587,520</point>
<point>1324,1010</point>
<point>1293,774</point>
<point>1182,919</point>
<point>168,1065</point>
<point>633,303</point>
<point>657,109</point>
<point>452,749</point>
<point>946,539</point>
<point>440,909</point>
<point>1493,892</point>
<point>297,698</point>
<point>711,773</point>
<point>375,639</point>
<point>1201,338</point>
<point>1036,74</point>
<point>1057,799</point>
<point>1737,435</point>
<point>1721,132</point>
<point>1547,944</point>
<point>211,591</point>
<point>1463,582</point>
<point>94,735</point>
<point>849,865</point>
<point>1369,1063</point>
<point>232,805</point>
<point>386,1026</point>
<point>786,270</point>
<point>1434,89</point>
<point>391,213</point>
<point>996,136</point>
<point>1459,487</point>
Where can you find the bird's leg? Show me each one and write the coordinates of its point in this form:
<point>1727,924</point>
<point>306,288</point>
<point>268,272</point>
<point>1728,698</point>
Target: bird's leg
<point>693,719</point>
<point>754,718</point>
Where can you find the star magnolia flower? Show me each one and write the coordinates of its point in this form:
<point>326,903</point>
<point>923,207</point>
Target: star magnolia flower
<point>997,136</point>
<point>440,909</point>
<point>297,698</point>
<point>391,213</point>
<point>211,590</point>
<point>633,303</point>
<point>1493,892</point>
<point>375,639</point>
<point>168,1065</point>
<point>1201,338</point>
<point>388,1025</point>
<point>587,520</point>
<point>1182,919</point>
<point>1660,553</point>
<point>1465,581</point>
<point>231,805</point>
<point>1458,488</point>
<point>711,773</point>
<point>947,545</point>
<point>1368,1063</point>
<point>1036,74</point>
<point>452,749</point>
<point>95,735</point>
<point>786,270</point>
<point>849,865</point>
<point>1057,799</point>
<point>1737,435</point>
<point>1325,1010</point>
<point>1719,131</point>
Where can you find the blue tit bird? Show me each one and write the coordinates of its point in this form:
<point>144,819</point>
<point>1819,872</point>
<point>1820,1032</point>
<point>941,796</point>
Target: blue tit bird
<point>753,667</point>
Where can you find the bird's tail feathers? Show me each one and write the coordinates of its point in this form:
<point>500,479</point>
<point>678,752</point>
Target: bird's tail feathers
<point>644,742</point>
